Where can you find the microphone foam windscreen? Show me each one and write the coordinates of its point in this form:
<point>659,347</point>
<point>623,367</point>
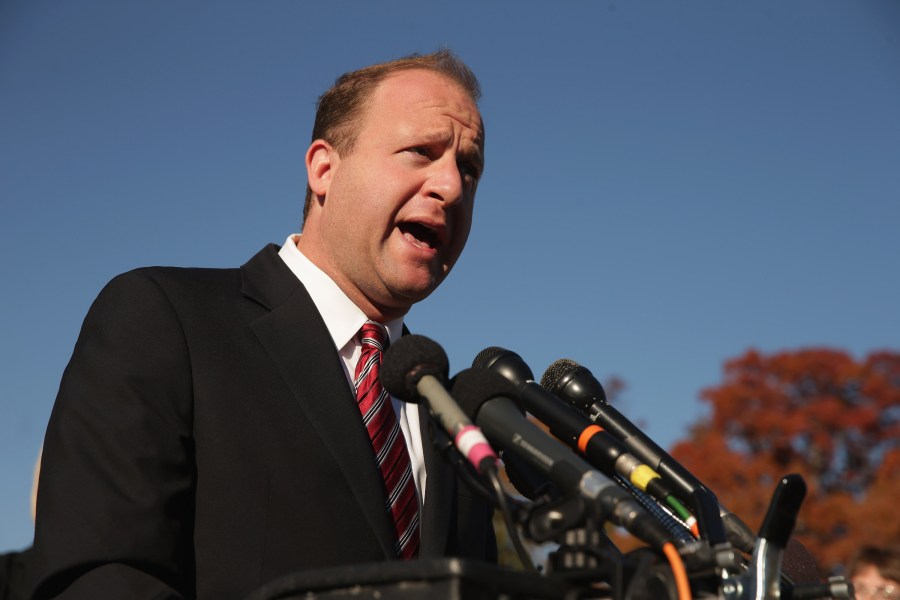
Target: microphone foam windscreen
<point>409,359</point>
<point>471,388</point>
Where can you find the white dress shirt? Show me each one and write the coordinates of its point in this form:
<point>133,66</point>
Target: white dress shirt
<point>344,320</point>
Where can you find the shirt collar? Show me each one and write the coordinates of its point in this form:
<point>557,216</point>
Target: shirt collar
<point>342,317</point>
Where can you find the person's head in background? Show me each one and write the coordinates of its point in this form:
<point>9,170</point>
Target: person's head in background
<point>875,573</point>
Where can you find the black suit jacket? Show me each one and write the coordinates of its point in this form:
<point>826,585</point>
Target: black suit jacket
<point>205,441</point>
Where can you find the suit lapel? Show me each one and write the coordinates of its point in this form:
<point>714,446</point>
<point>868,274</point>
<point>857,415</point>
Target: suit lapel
<point>298,341</point>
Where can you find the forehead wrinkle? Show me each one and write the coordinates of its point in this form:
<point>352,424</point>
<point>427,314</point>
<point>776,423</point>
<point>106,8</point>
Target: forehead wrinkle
<point>444,135</point>
<point>453,102</point>
<point>435,135</point>
<point>469,117</point>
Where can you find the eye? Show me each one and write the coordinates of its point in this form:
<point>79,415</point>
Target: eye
<point>470,169</point>
<point>420,150</point>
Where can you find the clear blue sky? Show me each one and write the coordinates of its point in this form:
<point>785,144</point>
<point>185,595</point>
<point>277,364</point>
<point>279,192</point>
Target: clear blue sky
<point>667,183</point>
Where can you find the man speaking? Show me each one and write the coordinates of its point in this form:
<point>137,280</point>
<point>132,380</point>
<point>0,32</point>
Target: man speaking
<point>218,428</point>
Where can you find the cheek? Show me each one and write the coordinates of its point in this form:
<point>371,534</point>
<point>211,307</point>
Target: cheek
<point>357,212</point>
<point>381,201</point>
<point>466,210</point>
<point>463,225</point>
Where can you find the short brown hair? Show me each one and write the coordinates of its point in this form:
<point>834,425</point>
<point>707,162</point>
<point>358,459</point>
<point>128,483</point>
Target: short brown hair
<point>339,109</point>
<point>885,559</point>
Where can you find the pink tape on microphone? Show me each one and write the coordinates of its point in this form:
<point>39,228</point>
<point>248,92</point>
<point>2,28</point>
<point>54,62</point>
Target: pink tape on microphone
<point>472,443</point>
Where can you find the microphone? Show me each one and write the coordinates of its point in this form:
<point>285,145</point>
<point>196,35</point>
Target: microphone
<point>489,399</point>
<point>600,447</point>
<point>415,368</point>
<point>576,385</point>
<point>763,578</point>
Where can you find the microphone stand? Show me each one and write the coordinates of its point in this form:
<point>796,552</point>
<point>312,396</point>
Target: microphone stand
<point>763,578</point>
<point>588,560</point>
<point>509,507</point>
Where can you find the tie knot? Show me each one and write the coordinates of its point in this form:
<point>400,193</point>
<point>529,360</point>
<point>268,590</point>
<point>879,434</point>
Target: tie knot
<point>373,334</point>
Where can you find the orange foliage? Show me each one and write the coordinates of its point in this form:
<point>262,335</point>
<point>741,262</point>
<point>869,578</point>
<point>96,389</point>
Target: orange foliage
<point>816,412</point>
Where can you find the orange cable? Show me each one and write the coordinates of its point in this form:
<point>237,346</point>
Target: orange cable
<point>678,570</point>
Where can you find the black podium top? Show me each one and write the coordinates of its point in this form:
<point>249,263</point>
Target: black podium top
<point>438,579</point>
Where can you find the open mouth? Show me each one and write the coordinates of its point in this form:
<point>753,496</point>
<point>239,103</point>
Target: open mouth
<point>420,235</point>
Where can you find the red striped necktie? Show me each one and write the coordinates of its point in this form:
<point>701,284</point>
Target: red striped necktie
<point>387,442</point>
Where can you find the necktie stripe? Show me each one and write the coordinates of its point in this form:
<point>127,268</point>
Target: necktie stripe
<point>387,458</point>
<point>378,426</point>
<point>388,443</point>
<point>411,529</point>
<point>400,488</point>
<point>366,371</point>
<point>374,413</point>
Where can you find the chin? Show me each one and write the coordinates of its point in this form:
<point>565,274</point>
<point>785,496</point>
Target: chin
<point>416,293</point>
<point>416,282</point>
<point>421,280</point>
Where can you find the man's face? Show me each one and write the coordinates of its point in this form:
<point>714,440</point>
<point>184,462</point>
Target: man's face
<point>398,206</point>
<point>869,583</point>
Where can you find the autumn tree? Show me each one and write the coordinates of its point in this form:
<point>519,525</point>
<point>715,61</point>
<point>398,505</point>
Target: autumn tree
<point>816,412</point>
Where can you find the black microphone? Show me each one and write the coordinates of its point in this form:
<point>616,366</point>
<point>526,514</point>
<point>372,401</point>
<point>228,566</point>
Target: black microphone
<point>602,449</point>
<point>576,385</point>
<point>763,577</point>
<point>415,368</point>
<point>411,358</point>
<point>489,399</point>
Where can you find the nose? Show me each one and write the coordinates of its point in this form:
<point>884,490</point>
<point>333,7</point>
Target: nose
<point>445,181</point>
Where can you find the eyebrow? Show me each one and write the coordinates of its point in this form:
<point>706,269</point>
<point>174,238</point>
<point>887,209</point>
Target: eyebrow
<point>471,151</point>
<point>435,136</point>
<point>441,135</point>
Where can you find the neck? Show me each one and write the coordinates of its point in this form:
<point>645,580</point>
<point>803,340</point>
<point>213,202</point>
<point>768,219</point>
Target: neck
<point>375,311</point>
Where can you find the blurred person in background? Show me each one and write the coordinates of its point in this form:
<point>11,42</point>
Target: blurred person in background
<point>875,573</point>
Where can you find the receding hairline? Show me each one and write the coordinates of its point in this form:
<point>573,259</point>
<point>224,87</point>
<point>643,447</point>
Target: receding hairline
<point>367,105</point>
<point>342,108</point>
<point>355,124</point>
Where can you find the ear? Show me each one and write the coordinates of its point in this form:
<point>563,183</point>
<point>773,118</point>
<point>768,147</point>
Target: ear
<point>321,159</point>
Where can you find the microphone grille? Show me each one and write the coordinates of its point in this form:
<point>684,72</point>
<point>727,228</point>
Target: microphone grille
<point>557,371</point>
<point>483,359</point>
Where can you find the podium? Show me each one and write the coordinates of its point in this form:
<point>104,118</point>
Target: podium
<point>437,579</point>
